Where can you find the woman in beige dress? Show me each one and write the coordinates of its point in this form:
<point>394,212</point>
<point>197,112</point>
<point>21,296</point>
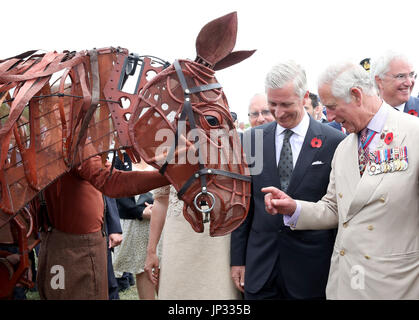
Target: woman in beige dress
<point>193,265</point>
<point>131,254</point>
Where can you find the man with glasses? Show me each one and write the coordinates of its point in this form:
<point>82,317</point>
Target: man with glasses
<point>259,111</point>
<point>394,78</point>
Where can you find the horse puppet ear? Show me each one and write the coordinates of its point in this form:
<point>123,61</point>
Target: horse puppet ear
<point>217,38</point>
<point>233,58</point>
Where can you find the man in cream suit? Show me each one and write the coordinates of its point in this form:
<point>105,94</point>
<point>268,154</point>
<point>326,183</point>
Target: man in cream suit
<point>376,252</point>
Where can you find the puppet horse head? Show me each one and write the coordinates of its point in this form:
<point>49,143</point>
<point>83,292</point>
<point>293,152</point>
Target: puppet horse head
<point>184,128</point>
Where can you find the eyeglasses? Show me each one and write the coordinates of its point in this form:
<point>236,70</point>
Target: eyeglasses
<point>264,113</point>
<point>403,76</point>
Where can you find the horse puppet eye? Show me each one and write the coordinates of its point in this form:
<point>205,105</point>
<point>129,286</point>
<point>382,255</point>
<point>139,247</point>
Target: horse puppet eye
<point>212,121</point>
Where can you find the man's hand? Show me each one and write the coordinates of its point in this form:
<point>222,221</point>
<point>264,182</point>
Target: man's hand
<point>237,274</point>
<point>147,211</point>
<point>277,201</point>
<point>115,240</point>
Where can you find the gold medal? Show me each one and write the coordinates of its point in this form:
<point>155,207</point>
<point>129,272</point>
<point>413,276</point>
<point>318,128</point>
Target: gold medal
<point>397,164</point>
<point>372,168</point>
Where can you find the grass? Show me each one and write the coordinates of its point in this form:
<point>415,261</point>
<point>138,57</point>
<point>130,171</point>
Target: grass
<point>129,294</point>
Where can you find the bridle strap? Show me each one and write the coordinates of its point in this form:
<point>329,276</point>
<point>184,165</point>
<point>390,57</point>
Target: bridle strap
<point>187,111</point>
<point>206,171</point>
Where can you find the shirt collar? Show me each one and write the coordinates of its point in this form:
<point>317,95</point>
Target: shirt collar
<point>300,129</point>
<point>379,119</point>
<point>400,107</point>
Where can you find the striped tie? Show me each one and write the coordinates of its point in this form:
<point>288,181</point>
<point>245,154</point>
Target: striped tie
<point>363,151</point>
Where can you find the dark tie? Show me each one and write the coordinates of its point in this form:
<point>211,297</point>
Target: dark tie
<point>363,152</point>
<point>285,161</point>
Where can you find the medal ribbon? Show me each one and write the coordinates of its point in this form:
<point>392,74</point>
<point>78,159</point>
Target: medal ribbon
<point>369,139</point>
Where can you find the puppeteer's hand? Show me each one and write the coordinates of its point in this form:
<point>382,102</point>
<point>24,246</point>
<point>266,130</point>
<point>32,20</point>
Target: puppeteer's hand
<point>277,201</point>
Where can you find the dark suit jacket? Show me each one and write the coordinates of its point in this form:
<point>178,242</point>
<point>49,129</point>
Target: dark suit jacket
<point>412,104</point>
<point>113,225</point>
<point>262,238</point>
<point>335,125</point>
<point>127,207</point>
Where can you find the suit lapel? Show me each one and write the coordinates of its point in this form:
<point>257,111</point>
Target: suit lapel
<point>411,104</point>
<point>350,170</point>
<point>368,184</point>
<point>306,156</point>
<point>269,152</point>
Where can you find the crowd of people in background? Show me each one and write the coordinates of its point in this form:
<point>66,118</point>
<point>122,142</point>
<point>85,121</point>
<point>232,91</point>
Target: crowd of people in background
<point>327,201</point>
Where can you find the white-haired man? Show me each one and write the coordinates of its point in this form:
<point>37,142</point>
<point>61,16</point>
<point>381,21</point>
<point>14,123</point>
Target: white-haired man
<point>376,253</point>
<point>259,112</point>
<point>269,261</point>
<point>394,78</point>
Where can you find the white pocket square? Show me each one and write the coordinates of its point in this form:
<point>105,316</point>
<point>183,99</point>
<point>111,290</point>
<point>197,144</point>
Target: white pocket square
<point>316,163</point>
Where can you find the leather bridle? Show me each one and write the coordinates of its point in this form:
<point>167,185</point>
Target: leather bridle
<point>187,112</point>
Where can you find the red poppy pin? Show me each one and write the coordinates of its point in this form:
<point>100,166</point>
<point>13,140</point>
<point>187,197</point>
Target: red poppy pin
<point>316,142</point>
<point>388,138</point>
<point>412,112</point>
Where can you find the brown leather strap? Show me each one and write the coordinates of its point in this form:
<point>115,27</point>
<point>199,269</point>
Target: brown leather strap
<point>55,68</point>
<point>94,101</point>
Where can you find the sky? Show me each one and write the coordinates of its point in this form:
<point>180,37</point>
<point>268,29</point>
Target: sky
<point>314,33</point>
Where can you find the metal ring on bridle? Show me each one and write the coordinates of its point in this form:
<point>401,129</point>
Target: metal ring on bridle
<point>204,210</point>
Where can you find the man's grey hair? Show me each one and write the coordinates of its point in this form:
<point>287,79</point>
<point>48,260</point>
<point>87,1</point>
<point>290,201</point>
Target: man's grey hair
<point>342,77</point>
<point>283,73</point>
<point>381,65</point>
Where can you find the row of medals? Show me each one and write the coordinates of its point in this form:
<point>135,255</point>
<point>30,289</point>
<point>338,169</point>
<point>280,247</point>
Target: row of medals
<point>387,160</point>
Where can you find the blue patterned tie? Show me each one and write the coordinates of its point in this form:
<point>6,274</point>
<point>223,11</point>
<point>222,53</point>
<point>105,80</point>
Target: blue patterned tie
<point>285,162</point>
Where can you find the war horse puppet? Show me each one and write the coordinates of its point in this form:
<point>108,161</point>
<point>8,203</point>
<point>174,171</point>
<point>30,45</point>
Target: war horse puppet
<point>58,109</point>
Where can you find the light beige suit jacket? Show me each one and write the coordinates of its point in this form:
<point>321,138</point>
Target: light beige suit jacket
<point>376,253</point>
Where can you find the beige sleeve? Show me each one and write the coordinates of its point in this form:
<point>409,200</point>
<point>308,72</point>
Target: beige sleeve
<point>322,214</point>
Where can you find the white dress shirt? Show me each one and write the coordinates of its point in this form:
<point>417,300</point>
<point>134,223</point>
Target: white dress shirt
<point>376,124</point>
<point>296,139</point>
<point>400,107</point>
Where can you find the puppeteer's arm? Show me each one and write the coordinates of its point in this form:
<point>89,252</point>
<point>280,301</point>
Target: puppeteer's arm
<point>119,184</point>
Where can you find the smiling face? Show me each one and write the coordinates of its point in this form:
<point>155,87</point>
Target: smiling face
<point>348,114</point>
<point>259,112</point>
<point>286,106</point>
<point>397,84</point>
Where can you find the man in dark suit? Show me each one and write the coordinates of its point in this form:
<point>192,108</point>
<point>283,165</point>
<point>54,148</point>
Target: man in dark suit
<point>395,78</point>
<point>114,234</point>
<point>268,259</point>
